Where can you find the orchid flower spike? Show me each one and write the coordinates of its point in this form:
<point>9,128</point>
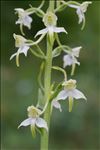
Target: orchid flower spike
<point>50,21</point>
<point>34,120</point>
<point>71,58</point>
<point>80,10</point>
<point>69,92</point>
<point>23,19</point>
<point>22,44</point>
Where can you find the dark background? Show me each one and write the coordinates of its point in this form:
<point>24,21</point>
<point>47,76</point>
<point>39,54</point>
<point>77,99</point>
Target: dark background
<point>79,130</point>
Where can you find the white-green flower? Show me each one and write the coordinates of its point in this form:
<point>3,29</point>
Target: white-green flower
<point>33,119</point>
<point>80,10</point>
<point>24,18</point>
<point>22,44</point>
<point>69,92</point>
<point>50,21</point>
<point>71,57</point>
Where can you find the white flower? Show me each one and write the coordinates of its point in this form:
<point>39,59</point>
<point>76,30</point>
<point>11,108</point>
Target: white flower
<point>20,43</point>
<point>24,18</point>
<point>33,119</point>
<point>71,57</point>
<point>80,10</point>
<point>69,92</point>
<point>50,20</point>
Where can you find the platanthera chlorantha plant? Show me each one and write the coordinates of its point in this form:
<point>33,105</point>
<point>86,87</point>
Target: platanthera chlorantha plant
<point>49,94</point>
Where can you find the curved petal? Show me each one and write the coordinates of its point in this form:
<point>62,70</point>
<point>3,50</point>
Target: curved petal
<point>56,104</point>
<point>12,56</point>
<point>80,15</point>
<point>73,6</point>
<point>43,31</point>
<point>59,29</point>
<point>25,123</point>
<point>24,50</point>
<point>68,60</point>
<point>19,10</point>
<point>41,123</point>
<point>84,6</point>
<point>78,94</point>
<point>51,30</point>
<point>19,21</point>
<point>62,95</point>
<point>27,21</point>
<point>75,61</point>
<point>33,121</point>
<point>76,51</point>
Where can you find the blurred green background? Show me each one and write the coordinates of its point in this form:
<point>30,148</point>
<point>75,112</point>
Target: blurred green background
<point>79,130</point>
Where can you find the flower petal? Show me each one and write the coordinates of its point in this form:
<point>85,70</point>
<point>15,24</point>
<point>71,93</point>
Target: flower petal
<point>25,123</point>
<point>59,29</point>
<point>41,123</point>
<point>84,6</point>
<point>80,14</point>
<point>12,56</point>
<point>62,95</point>
<point>76,51</point>
<point>33,121</point>
<point>56,104</point>
<point>75,61</point>
<point>27,21</point>
<point>51,30</point>
<point>68,60</point>
<point>73,6</point>
<point>43,31</point>
<point>24,49</point>
<point>78,94</point>
<point>19,10</point>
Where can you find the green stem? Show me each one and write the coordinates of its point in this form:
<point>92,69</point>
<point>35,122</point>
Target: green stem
<point>51,5</point>
<point>47,85</point>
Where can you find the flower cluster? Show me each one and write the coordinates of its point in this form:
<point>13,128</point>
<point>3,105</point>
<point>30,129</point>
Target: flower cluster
<point>66,90</point>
